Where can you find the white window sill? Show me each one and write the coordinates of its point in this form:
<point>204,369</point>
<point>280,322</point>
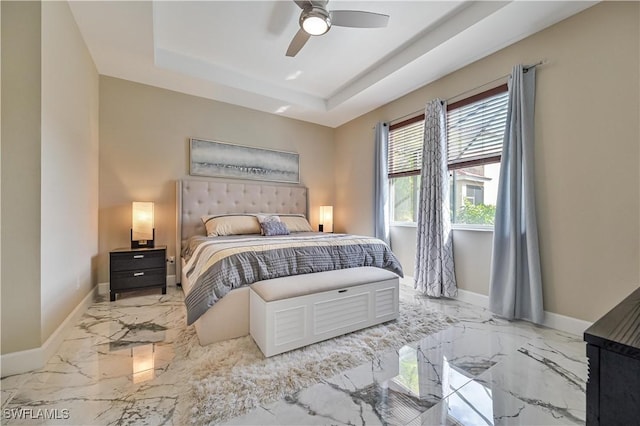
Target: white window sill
<point>404,224</point>
<point>479,228</point>
<point>455,227</point>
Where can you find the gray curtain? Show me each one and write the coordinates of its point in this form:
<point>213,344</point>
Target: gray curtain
<point>434,274</point>
<point>516,284</point>
<point>381,185</point>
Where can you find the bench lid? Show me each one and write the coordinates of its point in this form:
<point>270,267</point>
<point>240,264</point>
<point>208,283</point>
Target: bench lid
<point>301,285</point>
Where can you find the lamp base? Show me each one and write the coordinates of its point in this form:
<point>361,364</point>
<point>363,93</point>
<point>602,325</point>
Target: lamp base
<point>137,244</point>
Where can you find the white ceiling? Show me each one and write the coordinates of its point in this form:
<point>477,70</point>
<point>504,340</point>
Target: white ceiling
<point>234,51</point>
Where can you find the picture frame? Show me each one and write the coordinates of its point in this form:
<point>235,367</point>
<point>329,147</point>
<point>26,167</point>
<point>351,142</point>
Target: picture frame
<point>221,159</point>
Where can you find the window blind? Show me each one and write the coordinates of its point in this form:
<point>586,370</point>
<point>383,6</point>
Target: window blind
<point>475,128</point>
<point>405,147</point>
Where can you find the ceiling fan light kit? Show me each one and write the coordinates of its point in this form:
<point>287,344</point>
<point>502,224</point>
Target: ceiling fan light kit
<point>316,20</point>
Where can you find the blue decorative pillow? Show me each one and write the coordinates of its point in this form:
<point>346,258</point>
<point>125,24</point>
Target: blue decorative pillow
<point>274,228</point>
<point>266,218</point>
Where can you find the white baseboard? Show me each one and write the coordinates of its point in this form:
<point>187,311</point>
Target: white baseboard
<point>473,298</point>
<point>103,288</point>
<point>171,280</point>
<point>551,319</point>
<point>32,359</point>
<point>565,323</point>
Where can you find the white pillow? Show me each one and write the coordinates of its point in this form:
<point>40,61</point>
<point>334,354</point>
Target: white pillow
<point>221,225</point>
<point>296,223</point>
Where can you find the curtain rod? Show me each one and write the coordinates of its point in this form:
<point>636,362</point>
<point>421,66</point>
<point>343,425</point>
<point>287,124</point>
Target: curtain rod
<point>526,68</point>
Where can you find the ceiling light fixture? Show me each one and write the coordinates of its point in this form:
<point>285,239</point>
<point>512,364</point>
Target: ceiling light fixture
<point>316,21</point>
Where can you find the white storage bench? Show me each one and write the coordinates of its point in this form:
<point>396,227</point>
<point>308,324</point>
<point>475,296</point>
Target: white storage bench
<point>291,312</point>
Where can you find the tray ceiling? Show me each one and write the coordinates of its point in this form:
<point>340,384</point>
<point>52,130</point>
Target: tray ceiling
<point>234,51</point>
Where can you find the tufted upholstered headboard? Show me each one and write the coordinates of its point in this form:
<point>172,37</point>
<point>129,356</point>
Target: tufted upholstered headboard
<point>196,198</point>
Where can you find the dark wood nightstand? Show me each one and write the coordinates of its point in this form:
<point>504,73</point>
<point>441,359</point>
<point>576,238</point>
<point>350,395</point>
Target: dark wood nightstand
<point>613,350</point>
<point>136,269</point>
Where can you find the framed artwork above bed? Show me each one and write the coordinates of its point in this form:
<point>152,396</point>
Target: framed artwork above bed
<point>220,159</point>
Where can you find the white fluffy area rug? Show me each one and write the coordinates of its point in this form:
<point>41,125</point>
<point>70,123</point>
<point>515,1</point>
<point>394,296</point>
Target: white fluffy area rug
<point>231,378</point>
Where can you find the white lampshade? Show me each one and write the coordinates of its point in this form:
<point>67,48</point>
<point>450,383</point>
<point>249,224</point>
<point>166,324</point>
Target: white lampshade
<point>142,221</point>
<point>326,218</point>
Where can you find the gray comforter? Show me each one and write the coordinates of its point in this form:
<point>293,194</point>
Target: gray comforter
<point>217,265</point>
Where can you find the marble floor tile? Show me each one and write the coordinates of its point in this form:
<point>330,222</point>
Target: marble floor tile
<point>400,386</point>
<point>478,404</point>
<point>9,386</point>
<point>124,363</point>
<point>550,379</point>
<point>7,395</point>
<point>109,369</point>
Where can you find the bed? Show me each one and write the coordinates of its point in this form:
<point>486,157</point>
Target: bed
<point>229,316</point>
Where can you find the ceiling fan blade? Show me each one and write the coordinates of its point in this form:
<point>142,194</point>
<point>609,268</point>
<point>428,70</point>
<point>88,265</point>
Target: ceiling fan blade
<point>358,19</point>
<point>299,40</point>
<point>303,4</point>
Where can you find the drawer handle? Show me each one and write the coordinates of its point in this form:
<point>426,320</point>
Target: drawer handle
<point>138,274</point>
<point>342,291</point>
<point>139,256</point>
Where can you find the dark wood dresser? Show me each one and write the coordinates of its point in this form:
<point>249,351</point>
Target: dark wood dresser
<point>613,349</point>
<point>136,269</point>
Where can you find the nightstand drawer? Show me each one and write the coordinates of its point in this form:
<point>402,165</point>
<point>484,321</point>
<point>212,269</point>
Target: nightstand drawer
<point>138,278</point>
<point>136,269</point>
<point>135,260</point>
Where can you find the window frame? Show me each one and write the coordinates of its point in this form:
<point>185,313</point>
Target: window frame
<point>502,88</point>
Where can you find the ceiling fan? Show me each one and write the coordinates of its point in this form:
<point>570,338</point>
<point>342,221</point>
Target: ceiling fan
<point>316,20</point>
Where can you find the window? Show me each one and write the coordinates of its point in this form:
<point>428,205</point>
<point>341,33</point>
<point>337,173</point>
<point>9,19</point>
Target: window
<point>405,191</point>
<point>475,130</point>
<point>405,160</point>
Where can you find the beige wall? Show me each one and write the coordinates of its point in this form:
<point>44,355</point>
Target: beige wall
<point>69,186</point>
<point>144,136</point>
<point>471,251</point>
<point>20,232</point>
<point>587,130</point>
<point>49,171</point>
